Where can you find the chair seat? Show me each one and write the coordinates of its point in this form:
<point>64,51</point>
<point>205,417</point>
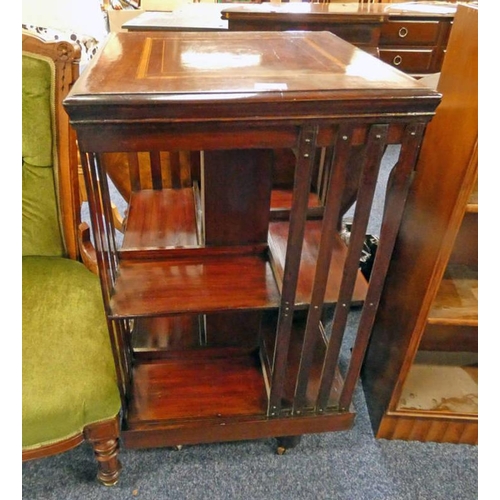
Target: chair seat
<point>69,379</point>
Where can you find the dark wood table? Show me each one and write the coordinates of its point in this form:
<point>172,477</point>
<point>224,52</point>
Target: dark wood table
<point>216,311</point>
<point>411,36</point>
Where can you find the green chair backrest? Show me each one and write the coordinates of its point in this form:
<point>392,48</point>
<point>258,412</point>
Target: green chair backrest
<point>41,230</point>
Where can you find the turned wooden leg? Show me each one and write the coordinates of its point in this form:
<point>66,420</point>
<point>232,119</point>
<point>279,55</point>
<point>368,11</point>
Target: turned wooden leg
<point>286,443</point>
<point>108,465</point>
<point>104,440</point>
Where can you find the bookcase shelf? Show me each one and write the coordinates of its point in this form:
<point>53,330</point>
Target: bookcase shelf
<point>278,238</point>
<point>441,382</point>
<point>456,301</point>
<point>176,286</point>
<point>226,386</point>
<point>161,218</point>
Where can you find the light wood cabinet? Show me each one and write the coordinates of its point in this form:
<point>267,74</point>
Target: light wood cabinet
<point>420,374</point>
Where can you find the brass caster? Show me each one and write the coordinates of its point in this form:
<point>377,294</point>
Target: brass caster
<point>178,447</point>
<point>285,443</point>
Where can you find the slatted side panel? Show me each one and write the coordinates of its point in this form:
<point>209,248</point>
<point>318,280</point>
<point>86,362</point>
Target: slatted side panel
<point>396,193</point>
<point>332,214</point>
<point>102,220</point>
<point>369,154</point>
<point>373,152</point>
<point>106,250</point>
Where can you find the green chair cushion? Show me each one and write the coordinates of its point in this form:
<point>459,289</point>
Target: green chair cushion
<point>40,226</point>
<point>69,379</point>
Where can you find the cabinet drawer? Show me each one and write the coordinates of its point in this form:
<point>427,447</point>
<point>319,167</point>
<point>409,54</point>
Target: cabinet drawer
<point>410,33</point>
<point>410,61</point>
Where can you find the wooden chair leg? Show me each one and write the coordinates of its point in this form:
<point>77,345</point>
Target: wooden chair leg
<point>104,440</point>
<point>109,467</point>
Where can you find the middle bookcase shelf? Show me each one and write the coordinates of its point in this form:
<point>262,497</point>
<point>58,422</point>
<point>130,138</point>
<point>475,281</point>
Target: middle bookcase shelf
<point>175,286</point>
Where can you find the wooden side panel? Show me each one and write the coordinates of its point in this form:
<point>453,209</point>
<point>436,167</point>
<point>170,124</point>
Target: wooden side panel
<point>445,175</point>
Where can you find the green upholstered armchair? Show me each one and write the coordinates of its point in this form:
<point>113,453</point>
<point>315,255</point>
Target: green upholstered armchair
<point>70,390</point>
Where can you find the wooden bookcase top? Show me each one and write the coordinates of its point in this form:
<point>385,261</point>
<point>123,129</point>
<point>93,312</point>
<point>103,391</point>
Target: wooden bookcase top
<point>246,68</point>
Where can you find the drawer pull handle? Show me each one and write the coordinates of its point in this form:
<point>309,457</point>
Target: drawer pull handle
<point>402,32</point>
<point>397,60</point>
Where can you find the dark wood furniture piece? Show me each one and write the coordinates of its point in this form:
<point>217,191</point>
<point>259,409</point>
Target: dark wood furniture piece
<point>216,309</point>
<point>420,373</point>
<point>412,38</point>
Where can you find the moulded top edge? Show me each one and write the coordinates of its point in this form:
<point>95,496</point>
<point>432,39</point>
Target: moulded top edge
<point>236,65</point>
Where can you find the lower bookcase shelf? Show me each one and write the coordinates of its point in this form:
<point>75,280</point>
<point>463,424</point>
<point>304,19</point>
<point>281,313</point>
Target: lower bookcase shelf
<point>214,370</point>
<point>442,382</point>
<point>216,384</point>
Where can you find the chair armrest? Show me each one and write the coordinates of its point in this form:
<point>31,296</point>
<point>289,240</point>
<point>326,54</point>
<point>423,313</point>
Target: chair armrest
<point>87,250</point>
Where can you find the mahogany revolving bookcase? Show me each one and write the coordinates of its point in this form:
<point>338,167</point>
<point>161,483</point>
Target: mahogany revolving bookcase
<point>216,307</point>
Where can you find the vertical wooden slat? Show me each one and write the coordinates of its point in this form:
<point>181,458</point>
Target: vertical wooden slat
<point>325,173</point>
<point>108,215</point>
<point>371,160</point>
<point>122,361</point>
<point>175,170</point>
<point>156,178</point>
<point>397,191</point>
<point>105,258</point>
<point>91,184</point>
<point>135,178</point>
<point>301,188</point>
<point>125,334</point>
<point>193,160</point>
<point>332,208</point>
